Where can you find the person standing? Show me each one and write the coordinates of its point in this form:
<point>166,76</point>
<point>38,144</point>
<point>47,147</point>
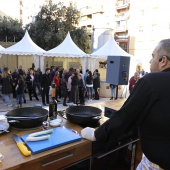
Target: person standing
<point>15,81</point>
<point>19,92</point>
<point>68,74</point>
<point>22,76</point>
<point>45,86</point>
<point>133,80</point>
<point>6,81</point>
<point>64,87</point>
<point>31,84</point>
<point>38,75</point>
<point>147,108</point>
<point>86,74</point>
<point>74,88</point>
<point>113,93</point>
<point>56,80</point>
<point>52,73</point>
<point>69,87</point>
<point>81,90</point>
<point>89,86</point>
<point>96,84</point>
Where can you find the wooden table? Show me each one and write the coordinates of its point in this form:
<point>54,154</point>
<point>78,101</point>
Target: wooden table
<point>52,159</point>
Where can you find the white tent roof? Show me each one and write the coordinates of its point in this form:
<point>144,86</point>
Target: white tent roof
<point>66,49</point>
<point>24,47</point>
<point>1,48</point>
<point>111,48</point>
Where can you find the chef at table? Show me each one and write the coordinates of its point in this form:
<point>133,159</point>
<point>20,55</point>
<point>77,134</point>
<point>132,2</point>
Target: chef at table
<point>147,108</point>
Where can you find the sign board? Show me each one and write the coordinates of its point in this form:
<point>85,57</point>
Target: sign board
<point>75,65</point>
<point>59,64</point>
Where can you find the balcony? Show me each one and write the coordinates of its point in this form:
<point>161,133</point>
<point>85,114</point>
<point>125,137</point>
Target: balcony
<point>122,5</point>
<point>89,30</point>
<point>121,28</point>
<point>86,22</point>
<point>121,16</point>
<point>92,10</point>
<point>86,11</point>
<point>122,39</point>
<point>98,9</point>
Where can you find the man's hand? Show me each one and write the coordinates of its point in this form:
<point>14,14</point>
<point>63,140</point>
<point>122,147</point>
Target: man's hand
<point>88,133</point>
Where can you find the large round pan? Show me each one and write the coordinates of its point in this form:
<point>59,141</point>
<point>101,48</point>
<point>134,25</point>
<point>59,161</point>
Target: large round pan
<point>84,115</point>
<point>27,117</point>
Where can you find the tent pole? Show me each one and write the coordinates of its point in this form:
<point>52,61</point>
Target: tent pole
<point>17,62</point>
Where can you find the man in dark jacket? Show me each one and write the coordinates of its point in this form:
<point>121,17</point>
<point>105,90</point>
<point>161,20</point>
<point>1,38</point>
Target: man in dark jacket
<point>45,86</point>
<point>96,84</point>
<point>148,109</point>
<point>52,73</point>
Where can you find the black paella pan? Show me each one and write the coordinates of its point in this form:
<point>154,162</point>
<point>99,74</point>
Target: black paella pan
<point>27,117</point>
<point>84,115</point>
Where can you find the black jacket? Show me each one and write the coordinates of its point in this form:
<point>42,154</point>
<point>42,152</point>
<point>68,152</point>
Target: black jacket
<point>75,81</point>
<point>81,84</point>
<point>148,109</point>
<point>89,80</point>
<point>96,80</point>
<point>20,89</point>
<point>30,84</point>
<point>45,81</point>
<point>7,84</point>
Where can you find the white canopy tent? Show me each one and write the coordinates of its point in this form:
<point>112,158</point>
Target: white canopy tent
<point>68,49</point>
<point>111,48</point>
<point>26,47</point>
<point>1,48</point>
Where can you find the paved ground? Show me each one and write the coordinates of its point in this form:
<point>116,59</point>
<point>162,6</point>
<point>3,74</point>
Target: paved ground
<point>4,109</point>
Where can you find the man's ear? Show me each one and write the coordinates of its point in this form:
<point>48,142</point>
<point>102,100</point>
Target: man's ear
<point>163,61</point>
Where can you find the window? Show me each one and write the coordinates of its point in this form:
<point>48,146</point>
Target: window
<point>153,28</point>
<point>140,28</point>
<point>142,12</point>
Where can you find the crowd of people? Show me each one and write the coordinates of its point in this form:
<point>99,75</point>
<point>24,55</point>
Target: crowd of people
<point>72,85</point>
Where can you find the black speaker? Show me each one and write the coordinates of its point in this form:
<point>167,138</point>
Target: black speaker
<point>117,70</point>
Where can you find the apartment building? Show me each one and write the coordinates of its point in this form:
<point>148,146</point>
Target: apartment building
<point>137,25</point>
<point>121,29</point>
<point>149,23</point>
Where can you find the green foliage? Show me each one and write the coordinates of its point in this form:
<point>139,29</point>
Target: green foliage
<point>52,24</point>
<point>11,29</point>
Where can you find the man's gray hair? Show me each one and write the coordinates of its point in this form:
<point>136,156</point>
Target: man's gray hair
<point>164,48</point>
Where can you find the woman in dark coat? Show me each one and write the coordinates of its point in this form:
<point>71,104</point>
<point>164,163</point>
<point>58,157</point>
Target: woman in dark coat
<point>22,76</point>
<point>31,84</point>
<point>74,88</point>
<point>89,85</point>
<point>6,81</point>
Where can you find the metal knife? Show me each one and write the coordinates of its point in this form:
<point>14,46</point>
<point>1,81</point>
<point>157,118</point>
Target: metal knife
<point>21,145</point>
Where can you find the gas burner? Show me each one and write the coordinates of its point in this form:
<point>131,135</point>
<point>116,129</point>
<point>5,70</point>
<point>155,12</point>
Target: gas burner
<point>62,113</point>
